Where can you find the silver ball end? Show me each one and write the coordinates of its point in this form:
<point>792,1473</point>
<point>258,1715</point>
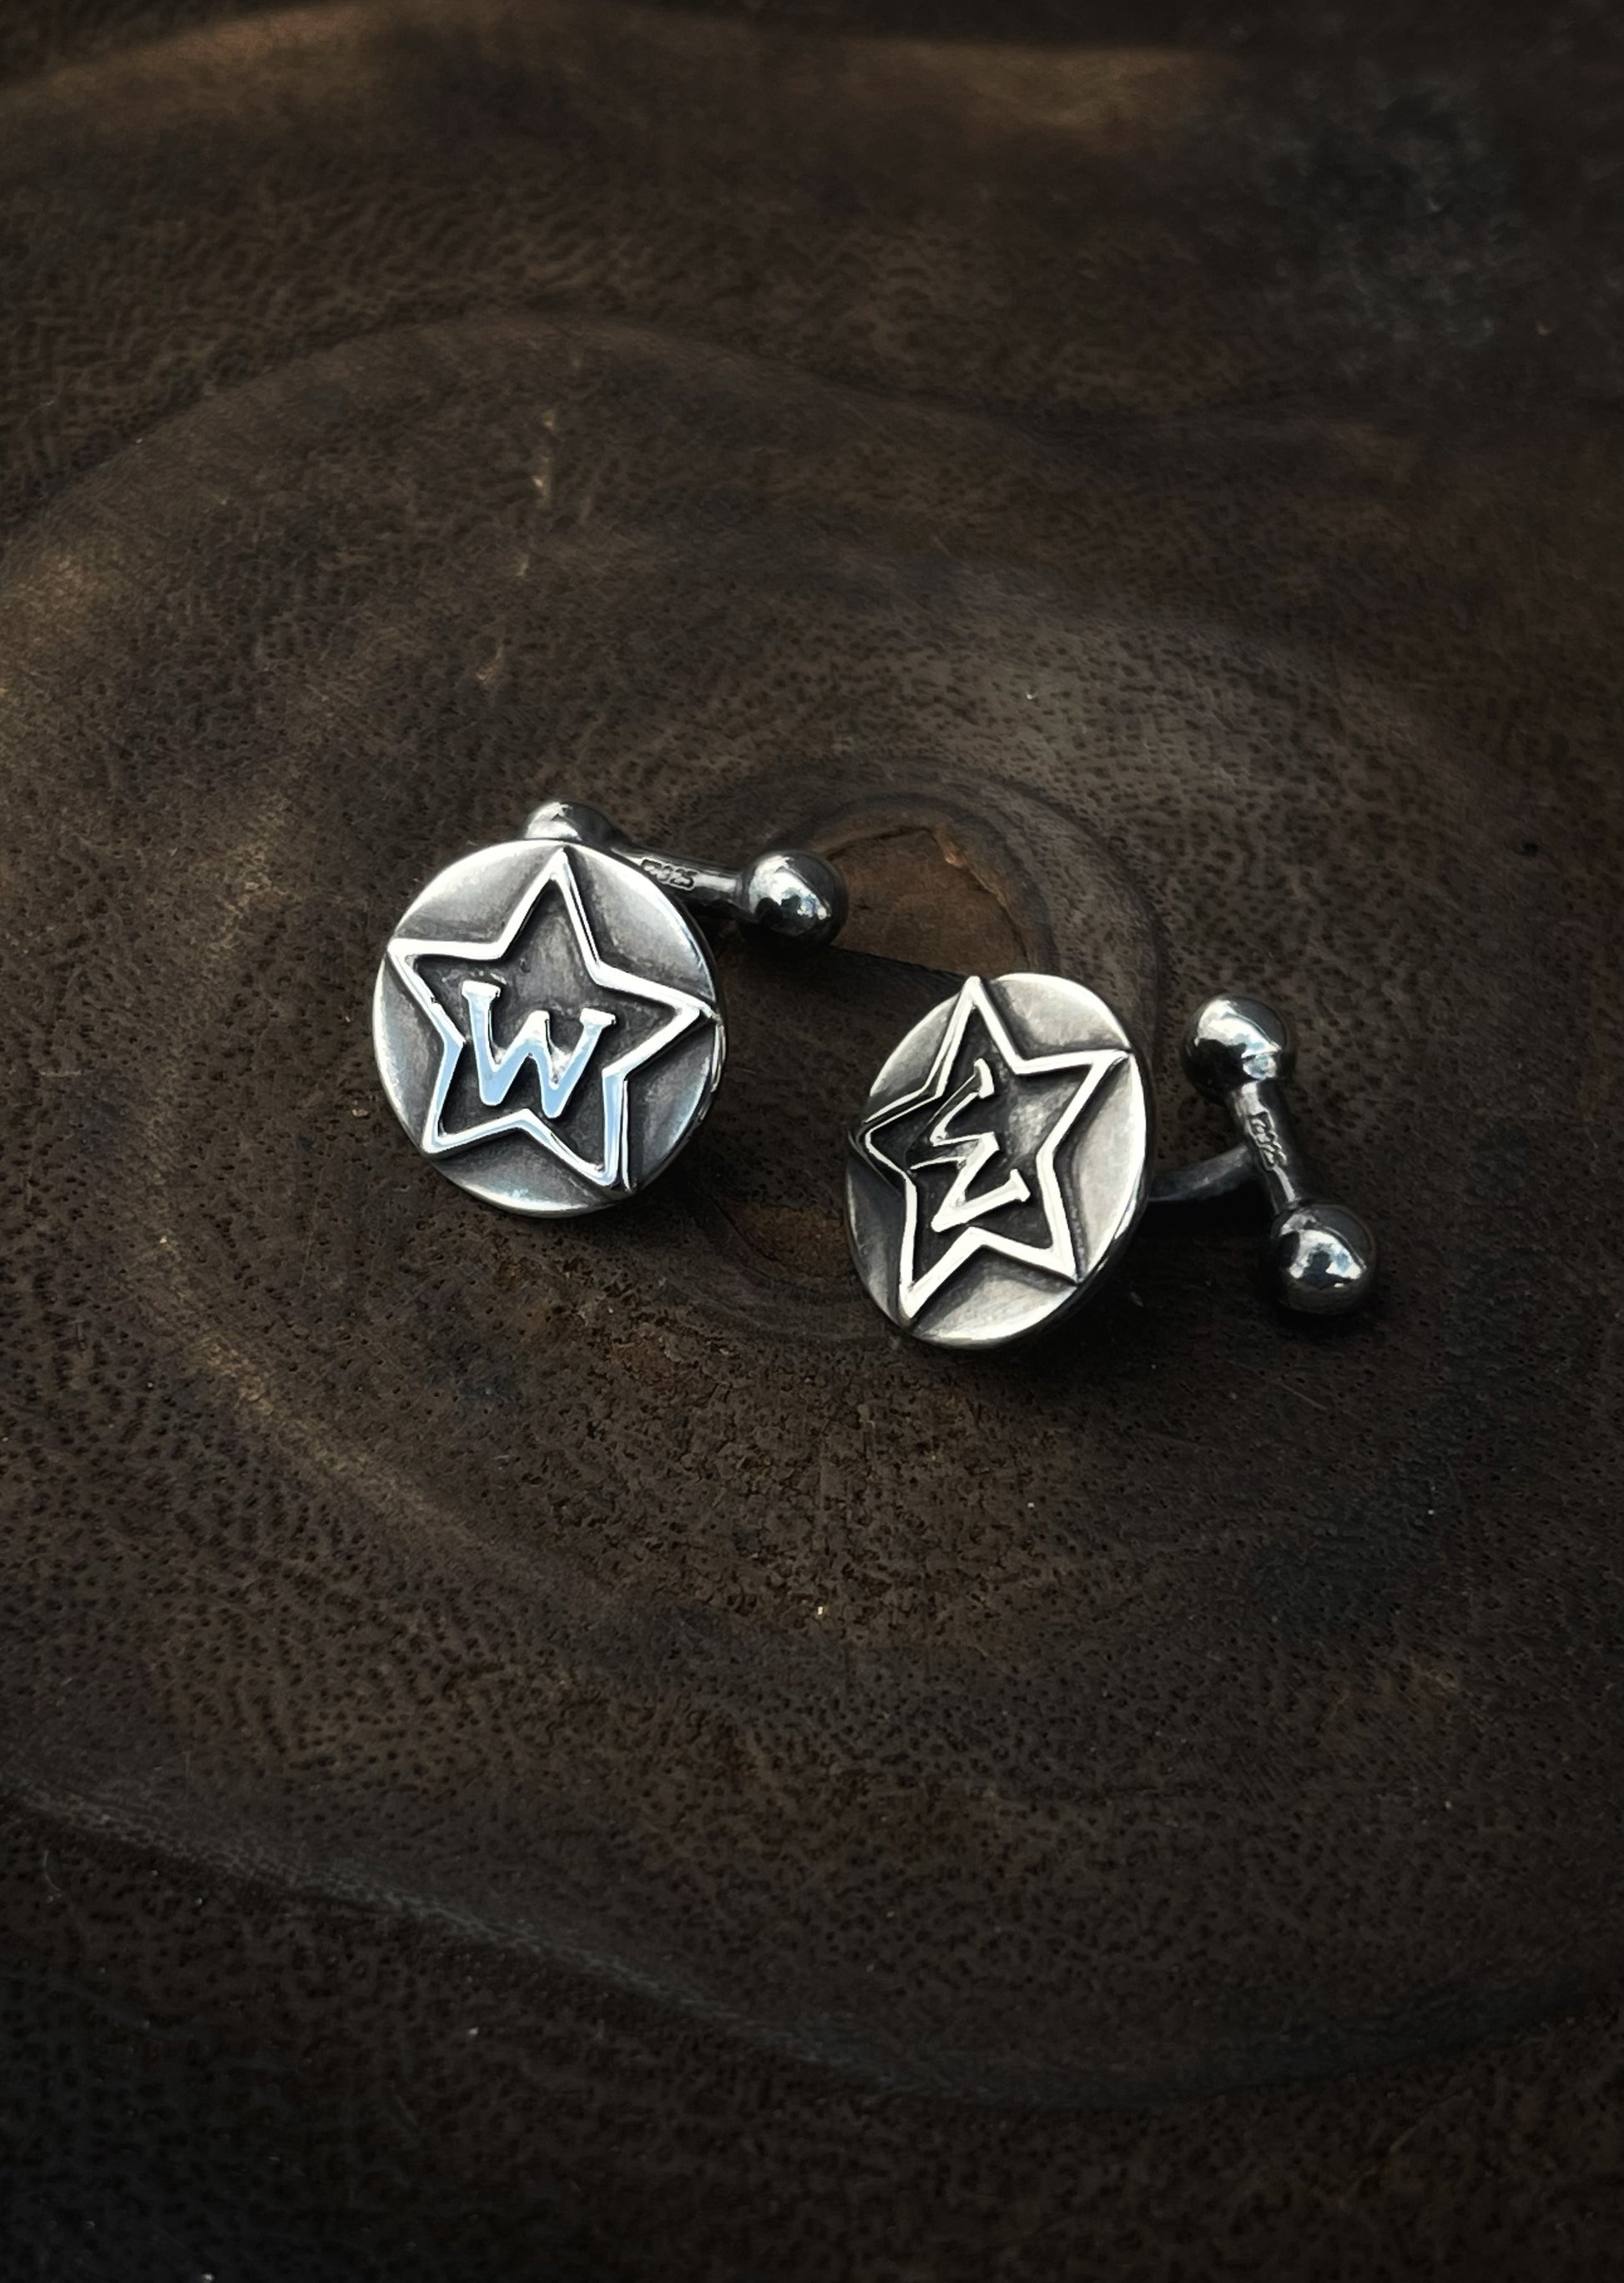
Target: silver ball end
<point>1230,1041</point>
<point>572,821</point>
<point>795,896</point>
<point>1322,1259</point>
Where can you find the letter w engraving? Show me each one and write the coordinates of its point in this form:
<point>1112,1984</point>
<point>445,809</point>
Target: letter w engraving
<point>497,1067</point>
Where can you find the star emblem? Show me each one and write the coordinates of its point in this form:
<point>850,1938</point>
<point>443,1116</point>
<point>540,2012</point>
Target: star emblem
<point>926,1142</point>
<point>543,967</point>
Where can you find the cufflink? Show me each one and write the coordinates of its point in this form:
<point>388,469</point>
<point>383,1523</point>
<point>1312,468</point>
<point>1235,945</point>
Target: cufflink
<point>1003,1160</point>
<point>546,1018</point>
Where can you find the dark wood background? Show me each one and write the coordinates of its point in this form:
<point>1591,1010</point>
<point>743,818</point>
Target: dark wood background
<point>577,1754</point>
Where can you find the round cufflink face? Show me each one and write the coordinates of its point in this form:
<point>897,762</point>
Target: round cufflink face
<point>1000,1162</point>
<point>546,1026</point>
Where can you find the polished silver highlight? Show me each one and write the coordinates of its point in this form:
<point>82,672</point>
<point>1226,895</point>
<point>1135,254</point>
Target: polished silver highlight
<point>788,891</point>
<point>525,1088</point>
<point>546,1026</point>
<point>546,1019</point>
<point>1321,1257</point>
<point>1000,1162</point>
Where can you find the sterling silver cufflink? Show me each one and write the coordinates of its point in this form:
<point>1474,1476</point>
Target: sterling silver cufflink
<point>1004,1159</point>
<point>546,1017</point>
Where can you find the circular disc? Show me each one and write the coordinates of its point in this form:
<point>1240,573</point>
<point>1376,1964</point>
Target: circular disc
<point>1000,1162</point>
<point>546,1026</point>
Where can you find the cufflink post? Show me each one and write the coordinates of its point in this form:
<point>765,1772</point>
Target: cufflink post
<point>1321,1258</point>
<point>787,892</point>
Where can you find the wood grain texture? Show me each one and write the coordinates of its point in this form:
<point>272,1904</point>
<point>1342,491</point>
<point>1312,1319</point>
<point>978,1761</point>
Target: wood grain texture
<point>578,1753</point>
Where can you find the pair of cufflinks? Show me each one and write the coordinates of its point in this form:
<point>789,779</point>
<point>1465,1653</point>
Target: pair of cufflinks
<point>549,1031</point>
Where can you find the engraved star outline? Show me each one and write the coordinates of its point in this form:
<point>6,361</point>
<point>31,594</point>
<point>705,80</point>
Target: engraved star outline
<point>685,1007</point>
<point>1058,1256</point>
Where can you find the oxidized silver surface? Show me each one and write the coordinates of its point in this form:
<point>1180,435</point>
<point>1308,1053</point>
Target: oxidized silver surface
<point>1002,1161</point>
<point>546,1025</point>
